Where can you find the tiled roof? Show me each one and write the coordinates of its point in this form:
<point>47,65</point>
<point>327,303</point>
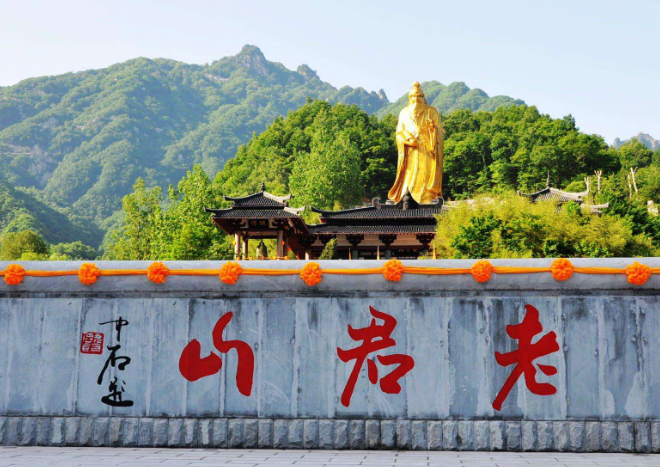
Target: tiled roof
<point>371,229</point>
<point>239,213</point>
<point>386,211</point>
<point>596,208</point>
<point>549,193</point>
<point>263,198</point>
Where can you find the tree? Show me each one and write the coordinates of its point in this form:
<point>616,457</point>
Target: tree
<point>185,231</point>
<point>134,238</point>
<point>272,155</point>
<point>329,174</point>
<point>509,226</point>
<point>635,154</point>
<point>15,245</point>
<point>72,251</point>
<point>330,250</point>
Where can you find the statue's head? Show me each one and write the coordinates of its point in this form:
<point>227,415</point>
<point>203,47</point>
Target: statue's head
<point>416,96</point>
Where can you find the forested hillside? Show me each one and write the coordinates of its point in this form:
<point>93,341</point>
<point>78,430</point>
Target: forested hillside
<point>336,156</point>
<point>82,139</point>
<point>72,146</point>
<point>512,148</point>
<point>456,96</point>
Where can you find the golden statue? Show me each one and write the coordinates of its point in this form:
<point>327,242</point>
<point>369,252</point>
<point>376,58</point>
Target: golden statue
<point>420,140</point>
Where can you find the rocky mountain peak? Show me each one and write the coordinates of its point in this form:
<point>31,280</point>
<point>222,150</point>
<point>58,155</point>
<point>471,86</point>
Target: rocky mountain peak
<point>644,138</point>
<point>252,58</point>
<point>306,72</point>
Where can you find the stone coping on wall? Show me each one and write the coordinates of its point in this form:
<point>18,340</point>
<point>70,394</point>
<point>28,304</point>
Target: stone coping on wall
<point>331,283</point>
<point>448,435</point>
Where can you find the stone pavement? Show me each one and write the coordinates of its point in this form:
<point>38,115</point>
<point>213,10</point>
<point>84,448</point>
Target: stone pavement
<point>144,457</point>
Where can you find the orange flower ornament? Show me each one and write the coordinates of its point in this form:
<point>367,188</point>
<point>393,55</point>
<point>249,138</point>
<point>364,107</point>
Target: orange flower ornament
<point>157,272</point>
<point>393,270</point>
<point>481,270</point>
<point>638,273</point>
<point>14,274</point>
<point>311,274</point>
<point>562,269</point>
<point>88,273</point>
<point>230,272</point>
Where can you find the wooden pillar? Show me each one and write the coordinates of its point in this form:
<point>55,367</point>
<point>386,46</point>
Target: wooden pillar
<point>354,240</point>
<point>246,252</point>
<point>237,245</point>
<point>387,241</point>
<point>280,240</point>
<point>286,246</point>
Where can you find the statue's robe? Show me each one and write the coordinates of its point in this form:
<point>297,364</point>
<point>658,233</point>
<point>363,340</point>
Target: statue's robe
<point>419,169</point>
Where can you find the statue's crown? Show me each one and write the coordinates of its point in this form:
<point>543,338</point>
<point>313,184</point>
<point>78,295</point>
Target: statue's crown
<point>415,90</point>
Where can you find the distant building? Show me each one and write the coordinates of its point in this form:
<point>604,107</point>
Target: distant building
<point>561,197</point>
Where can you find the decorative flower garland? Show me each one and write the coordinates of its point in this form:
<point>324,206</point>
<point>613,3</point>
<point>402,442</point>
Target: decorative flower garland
<point>562,269</point>
<point>481,270</point>
<point>312,274</point>
<point>157,272</point>
<point>230,272</point>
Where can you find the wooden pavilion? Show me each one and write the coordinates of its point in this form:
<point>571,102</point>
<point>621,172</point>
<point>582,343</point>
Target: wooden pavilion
<point>380,230</point>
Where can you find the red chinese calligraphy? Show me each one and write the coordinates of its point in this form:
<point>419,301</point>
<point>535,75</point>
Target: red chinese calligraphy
<point>193,367</point>
<point>525,355</point>
<point>389,384</point>
<point>91,343</point>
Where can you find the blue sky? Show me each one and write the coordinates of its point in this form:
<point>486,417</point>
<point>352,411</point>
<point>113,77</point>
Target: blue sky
<point>597,60</point>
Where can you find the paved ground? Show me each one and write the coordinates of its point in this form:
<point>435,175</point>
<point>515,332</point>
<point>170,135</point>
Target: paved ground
<point>103,457</point>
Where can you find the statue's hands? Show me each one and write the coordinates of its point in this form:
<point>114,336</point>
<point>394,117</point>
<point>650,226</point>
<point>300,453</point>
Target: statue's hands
<point>411,142</point>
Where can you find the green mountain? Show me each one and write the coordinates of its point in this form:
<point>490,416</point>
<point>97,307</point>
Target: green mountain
<point>21,210</point>
<point>80,140</point>
<point>453,97</point>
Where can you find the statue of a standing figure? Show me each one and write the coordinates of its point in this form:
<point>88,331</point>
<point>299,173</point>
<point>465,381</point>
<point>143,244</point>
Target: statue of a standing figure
<point>420,141</point>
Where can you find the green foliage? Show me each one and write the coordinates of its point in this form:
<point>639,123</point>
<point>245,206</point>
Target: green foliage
<point>327,175</point>
<point>630,206</point>
<point>80,140</point>
<point>22,209</point>
<point>517,147</point>
<point>475,240</point>
<point>142,210</point>
<point>76,251</point>
<point>71,145</point>
<point>330,250</point>
<point>182,231</point>
<point>16,245</point>
<point>185,231</point>
<point>83,138</point>
<point>312,149</point>
<point>635,154</point>
<point>509,226</point>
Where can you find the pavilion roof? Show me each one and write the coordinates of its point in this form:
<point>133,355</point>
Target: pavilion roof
<point>383,211</point>
<point>333,229</point>
<point>260,205</point>
<point>259,213</point>
<point>549,193</point>
<point>261,199</point>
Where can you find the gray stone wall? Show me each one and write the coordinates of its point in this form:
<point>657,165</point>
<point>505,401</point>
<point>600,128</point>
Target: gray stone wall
<point>433,435</point>
<point>607,381</point>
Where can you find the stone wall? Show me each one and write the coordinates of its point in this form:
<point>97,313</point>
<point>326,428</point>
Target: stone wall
<point>434,435</point>
<point>607,364</point>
